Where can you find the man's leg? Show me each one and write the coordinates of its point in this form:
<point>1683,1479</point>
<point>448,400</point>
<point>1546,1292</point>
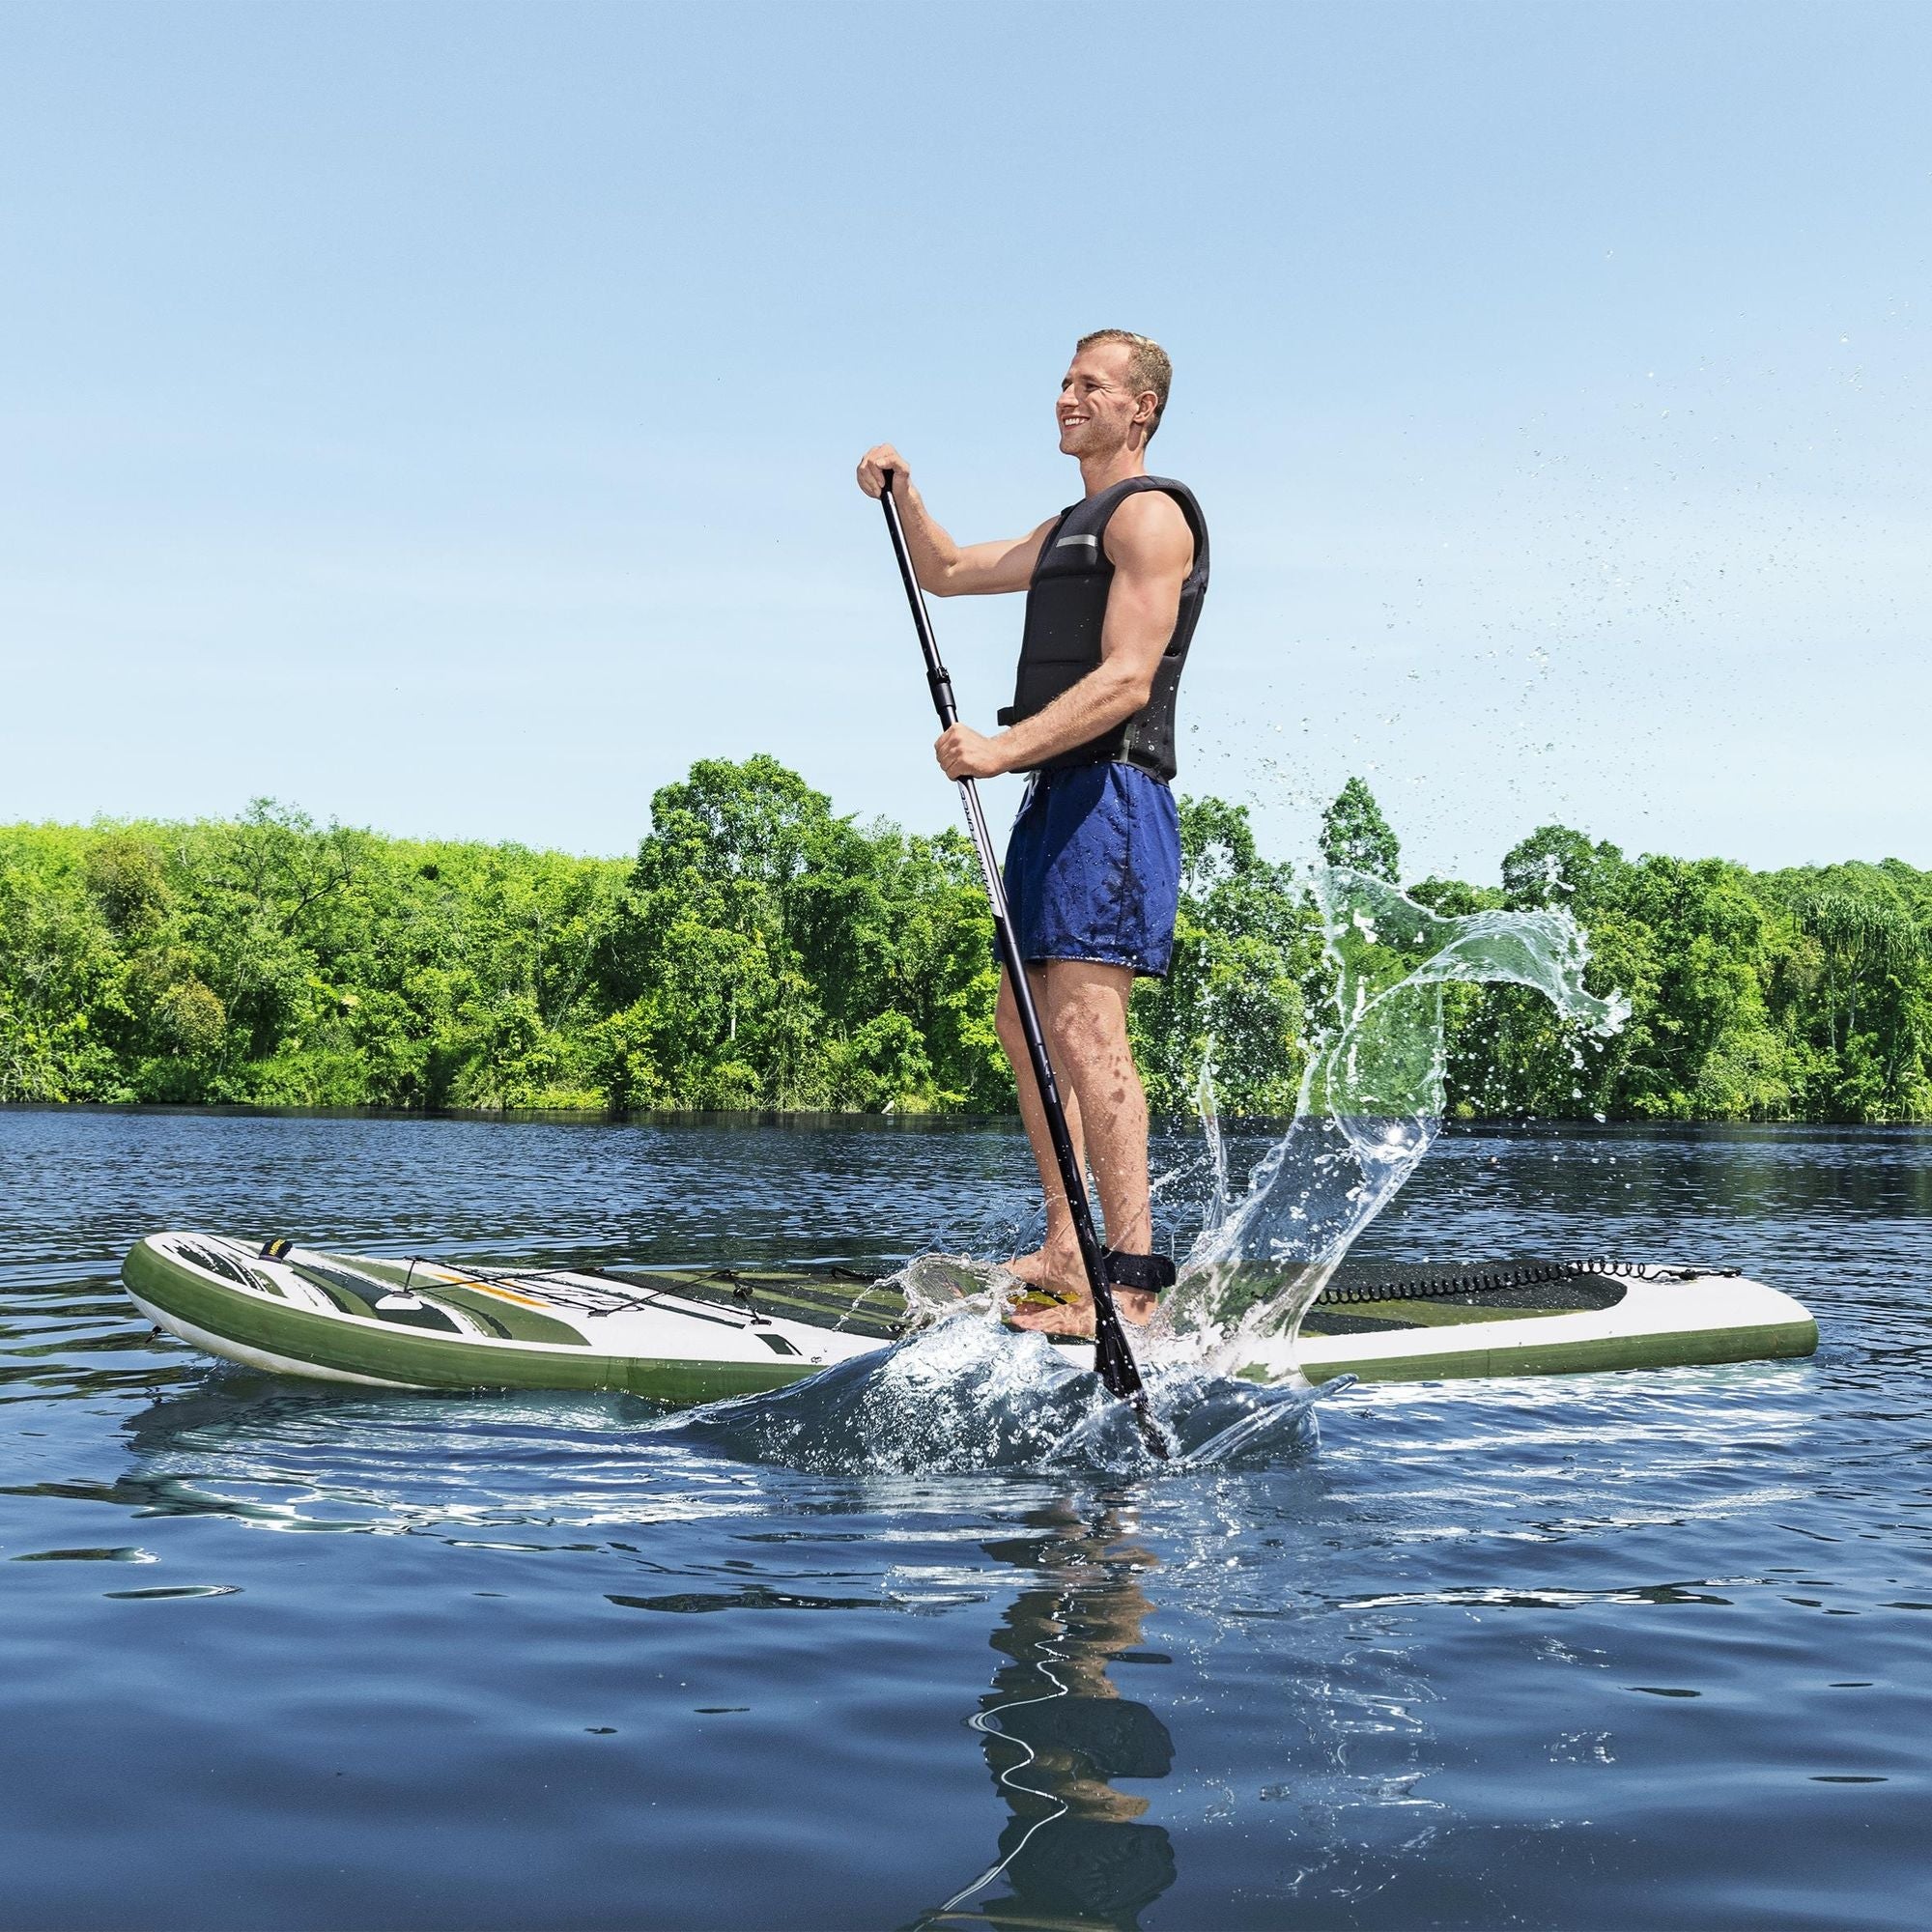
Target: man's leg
<point>1085,1019</point>
<point>1056,1262</point>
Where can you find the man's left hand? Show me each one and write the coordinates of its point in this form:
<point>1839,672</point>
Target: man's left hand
<point>963,753</point>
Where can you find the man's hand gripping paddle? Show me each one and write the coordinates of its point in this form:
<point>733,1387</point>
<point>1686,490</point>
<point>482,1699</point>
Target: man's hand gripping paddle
<point>1113,1359</point>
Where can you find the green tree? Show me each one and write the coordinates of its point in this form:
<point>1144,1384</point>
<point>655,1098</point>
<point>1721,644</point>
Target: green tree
<point>1556,866</point>
<point>768,953</point>
<point>1354,834</point>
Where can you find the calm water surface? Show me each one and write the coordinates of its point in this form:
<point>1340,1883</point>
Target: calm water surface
<point>1598,1651</point>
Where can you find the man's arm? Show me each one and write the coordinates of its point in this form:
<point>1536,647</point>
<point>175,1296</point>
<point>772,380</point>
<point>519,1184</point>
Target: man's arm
<point>943,567</point>
<point>1152,549</point>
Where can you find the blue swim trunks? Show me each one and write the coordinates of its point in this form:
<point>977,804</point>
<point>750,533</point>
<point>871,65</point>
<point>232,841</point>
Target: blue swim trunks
<point>1093,868</point>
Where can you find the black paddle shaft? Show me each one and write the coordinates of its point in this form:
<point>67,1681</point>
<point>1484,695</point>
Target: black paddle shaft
<point>1113,1359</point>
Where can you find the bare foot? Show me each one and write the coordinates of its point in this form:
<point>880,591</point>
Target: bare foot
<point>1076,1317</point>
<point>1059,1269</point>
<point>1069,1318</point>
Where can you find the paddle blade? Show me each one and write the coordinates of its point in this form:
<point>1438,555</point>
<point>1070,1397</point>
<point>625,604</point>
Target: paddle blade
<point>1121,1376</point>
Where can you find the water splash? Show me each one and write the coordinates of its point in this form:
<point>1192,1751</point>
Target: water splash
<point>1215,1210</point>
<point>966,1394</point>
<point>1371,1102</point>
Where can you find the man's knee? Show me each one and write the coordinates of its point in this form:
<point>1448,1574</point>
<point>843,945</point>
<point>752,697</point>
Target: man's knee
<point>1087,1023</point>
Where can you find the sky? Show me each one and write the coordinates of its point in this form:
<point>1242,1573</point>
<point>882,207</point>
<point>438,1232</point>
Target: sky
<point>443,418</point>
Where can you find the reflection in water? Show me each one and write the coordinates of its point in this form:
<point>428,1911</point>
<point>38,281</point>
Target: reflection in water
<point>1057,1733</point>
<point>274,1455</point>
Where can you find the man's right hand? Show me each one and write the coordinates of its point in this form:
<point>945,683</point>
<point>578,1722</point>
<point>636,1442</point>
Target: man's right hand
<point>941,566</point>
<point>876,465</point>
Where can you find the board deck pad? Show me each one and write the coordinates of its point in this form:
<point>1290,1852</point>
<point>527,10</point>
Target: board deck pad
<point>1385,1306</point>
<point>845,1299</point>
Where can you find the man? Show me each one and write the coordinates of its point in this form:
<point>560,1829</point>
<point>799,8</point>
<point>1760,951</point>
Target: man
<point>1114,587</point>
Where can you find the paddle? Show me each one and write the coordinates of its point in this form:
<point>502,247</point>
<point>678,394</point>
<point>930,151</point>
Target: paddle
<point>1113,1359</point>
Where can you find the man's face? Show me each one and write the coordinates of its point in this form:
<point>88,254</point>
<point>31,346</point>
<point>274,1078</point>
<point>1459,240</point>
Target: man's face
<point>1097,403</point>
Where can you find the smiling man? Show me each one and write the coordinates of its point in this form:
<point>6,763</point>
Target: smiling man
<point>1114,587</point>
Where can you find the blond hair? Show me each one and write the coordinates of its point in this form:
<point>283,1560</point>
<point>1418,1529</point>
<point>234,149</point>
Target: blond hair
<point>1148,366</point>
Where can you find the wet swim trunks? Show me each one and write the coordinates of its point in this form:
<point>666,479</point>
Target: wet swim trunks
<point>1093,868</point>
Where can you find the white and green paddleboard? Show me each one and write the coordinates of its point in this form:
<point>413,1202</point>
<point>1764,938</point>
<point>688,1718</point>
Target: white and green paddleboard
<point>689,1335</point>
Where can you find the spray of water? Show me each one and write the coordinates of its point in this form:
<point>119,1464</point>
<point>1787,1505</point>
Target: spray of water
<point>1371,1102</point>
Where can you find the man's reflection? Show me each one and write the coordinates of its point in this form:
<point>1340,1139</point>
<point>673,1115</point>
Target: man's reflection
<point>1057,1732</point>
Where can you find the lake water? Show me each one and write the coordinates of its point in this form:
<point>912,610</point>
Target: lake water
<point>1596,1651</point>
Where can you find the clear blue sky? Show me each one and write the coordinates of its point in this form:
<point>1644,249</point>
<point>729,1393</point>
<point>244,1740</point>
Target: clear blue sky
<point>443,417</point>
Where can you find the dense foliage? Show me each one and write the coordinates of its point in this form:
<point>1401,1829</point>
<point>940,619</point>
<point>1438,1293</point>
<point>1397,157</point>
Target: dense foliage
<point>762,950</point>
<point>1803,994</point>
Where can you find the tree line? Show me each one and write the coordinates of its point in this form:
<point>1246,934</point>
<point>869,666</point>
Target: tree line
<point>762,950</point>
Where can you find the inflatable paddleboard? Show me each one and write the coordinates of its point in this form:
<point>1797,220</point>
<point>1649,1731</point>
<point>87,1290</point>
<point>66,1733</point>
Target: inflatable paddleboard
<point>691,1335</point>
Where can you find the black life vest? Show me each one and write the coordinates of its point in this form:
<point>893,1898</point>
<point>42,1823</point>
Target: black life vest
<point>1065,610</point>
